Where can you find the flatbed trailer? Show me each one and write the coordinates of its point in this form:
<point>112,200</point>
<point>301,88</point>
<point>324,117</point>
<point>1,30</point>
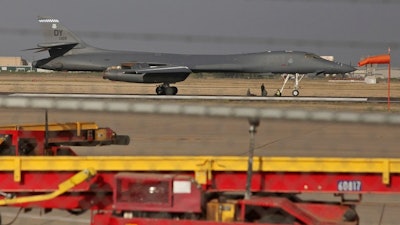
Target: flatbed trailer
<point>55,138</point>
<point>200,190</point>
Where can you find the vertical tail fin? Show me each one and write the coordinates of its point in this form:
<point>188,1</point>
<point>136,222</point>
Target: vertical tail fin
<point>58,39</point>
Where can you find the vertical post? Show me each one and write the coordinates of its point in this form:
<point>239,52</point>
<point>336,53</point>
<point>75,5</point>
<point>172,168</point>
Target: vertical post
<point>46,132</point>
<point>389,81</point>
<point>254,122</point>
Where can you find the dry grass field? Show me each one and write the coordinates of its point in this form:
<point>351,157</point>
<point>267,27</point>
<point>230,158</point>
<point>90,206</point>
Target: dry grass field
<point>93,82</point>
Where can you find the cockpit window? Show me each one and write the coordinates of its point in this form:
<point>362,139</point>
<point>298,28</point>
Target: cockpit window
<point>313,56</point>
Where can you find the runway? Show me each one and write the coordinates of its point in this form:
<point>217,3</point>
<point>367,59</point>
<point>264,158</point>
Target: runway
<point>189,97</point>
<point>205,97</point>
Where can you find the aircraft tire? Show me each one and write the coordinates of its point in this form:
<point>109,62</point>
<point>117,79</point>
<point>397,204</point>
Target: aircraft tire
<point>169,91</point>
<point>160,90</point>
<point>175,90</point>
<point>295,93</point>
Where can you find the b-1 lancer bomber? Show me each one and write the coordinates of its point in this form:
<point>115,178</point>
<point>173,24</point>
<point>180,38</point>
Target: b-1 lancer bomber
<point>69,53</point>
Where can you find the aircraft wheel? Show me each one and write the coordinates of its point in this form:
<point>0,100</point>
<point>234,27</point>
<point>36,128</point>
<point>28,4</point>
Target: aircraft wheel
<point>295,93</point>
<point>160,90</point>
<point>169,91</point>
<point>175,89</point>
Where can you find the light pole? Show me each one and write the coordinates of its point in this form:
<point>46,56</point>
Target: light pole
<point>254,122</point>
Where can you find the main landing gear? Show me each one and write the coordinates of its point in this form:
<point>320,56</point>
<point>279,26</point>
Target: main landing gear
<point>297,78</point>
<point>165,89</point>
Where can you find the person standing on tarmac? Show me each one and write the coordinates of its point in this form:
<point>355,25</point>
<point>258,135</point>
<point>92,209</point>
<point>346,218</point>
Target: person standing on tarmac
<point>263,90</point>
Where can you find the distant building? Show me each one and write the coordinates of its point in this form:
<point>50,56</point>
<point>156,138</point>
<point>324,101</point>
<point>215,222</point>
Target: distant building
<point>14,64</point>
<point>12,61</point>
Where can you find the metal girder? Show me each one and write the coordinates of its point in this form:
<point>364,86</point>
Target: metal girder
<point>203,167</point>
<point>52,126</point>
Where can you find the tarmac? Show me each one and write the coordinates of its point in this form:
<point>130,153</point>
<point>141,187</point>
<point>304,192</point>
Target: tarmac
<point>161,135</point>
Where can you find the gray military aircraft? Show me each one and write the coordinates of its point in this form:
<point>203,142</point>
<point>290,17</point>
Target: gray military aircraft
<point>70,53</point>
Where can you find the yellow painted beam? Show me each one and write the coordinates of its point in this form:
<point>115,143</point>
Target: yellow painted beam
<point>188,163</point>
<point>201,165</point>
<point>53,126</point>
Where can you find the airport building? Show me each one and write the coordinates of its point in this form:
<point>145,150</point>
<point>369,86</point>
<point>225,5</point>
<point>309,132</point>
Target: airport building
<point>14,64</point>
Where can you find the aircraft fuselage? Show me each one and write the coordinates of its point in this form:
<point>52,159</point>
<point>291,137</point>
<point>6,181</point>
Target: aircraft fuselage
<point>264,62</point>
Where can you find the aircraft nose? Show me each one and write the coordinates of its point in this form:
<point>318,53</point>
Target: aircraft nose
<point>348,68</point>
<point>343,68</point>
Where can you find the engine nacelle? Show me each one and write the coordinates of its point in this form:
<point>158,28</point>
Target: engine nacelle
<point>155,76</point>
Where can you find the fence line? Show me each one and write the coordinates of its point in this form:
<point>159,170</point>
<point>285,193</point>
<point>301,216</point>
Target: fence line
<point>119,106</point>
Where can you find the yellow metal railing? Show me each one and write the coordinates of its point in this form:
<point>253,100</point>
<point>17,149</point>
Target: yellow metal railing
<point>202,166</point>
<point>52,126</point>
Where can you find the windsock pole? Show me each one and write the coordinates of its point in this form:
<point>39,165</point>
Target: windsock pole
<point>389,81</point>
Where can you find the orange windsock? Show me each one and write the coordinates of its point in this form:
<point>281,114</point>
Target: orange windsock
<point>376,59</point>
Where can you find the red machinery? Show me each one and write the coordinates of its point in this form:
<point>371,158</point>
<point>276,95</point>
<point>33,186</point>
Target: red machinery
<point>195,190</point>
<point>54,139</point>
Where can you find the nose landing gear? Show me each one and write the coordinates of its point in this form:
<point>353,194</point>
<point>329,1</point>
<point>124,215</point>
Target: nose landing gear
<point>297,78</point>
